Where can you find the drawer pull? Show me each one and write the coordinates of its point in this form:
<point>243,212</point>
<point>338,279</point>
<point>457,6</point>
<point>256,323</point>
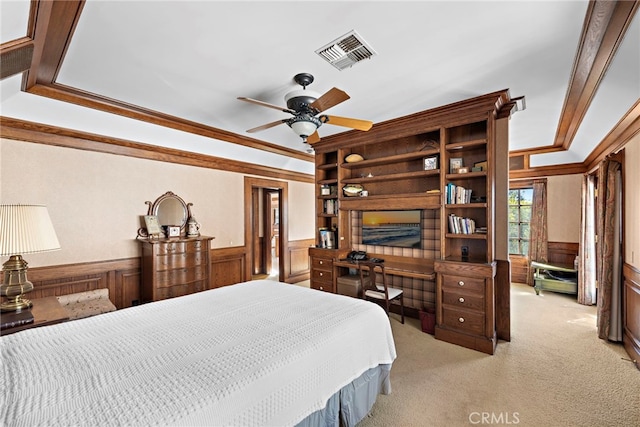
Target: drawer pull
<point>321,288</point>
<point>461,299</point>
<point>461,319</point>
<point>321,274</point>
<point>320,262</point>
<point>461,283</point>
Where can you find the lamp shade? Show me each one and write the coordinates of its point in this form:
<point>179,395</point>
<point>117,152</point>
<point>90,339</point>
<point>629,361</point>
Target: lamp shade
<point>26,229</point>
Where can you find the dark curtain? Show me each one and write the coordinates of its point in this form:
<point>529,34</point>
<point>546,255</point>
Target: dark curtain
<point>538,226</point>
<point>609,254</point>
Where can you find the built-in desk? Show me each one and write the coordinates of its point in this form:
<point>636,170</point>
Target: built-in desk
<point>555,278</point>
<point>422,270</point>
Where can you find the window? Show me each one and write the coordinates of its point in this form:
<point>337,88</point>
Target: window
<point>520,201</point>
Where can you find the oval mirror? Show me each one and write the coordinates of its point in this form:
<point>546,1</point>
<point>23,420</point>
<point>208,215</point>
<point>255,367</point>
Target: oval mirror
<point>170,210</point>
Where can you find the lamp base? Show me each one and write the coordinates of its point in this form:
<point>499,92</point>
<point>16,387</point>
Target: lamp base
<point>17,304</point>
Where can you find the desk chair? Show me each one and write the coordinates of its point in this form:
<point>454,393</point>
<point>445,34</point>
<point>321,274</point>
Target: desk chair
<point>380,293</point>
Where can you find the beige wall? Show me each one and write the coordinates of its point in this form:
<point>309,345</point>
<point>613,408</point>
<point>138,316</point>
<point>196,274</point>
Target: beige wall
<point>95,200</point>
<point>563,208</point>
<point>632,202</point>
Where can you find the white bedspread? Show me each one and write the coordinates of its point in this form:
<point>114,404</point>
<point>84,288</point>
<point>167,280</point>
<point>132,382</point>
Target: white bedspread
<point>256,353</point>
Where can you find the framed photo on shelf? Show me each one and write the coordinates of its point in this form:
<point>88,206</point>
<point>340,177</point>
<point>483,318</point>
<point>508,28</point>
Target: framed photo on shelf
<point>455,163</point>
<point>431,163</point>
<point>481,165</point>
<point>463,170</point>
<point>152,224</point>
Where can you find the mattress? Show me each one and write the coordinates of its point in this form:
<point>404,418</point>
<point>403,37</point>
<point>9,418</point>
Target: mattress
<point>255,353</point>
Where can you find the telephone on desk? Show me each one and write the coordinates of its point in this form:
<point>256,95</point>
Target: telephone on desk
<point>362,256</point>
<point>357,256</point>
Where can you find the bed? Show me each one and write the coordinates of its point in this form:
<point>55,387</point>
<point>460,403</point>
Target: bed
<point>254,353</point>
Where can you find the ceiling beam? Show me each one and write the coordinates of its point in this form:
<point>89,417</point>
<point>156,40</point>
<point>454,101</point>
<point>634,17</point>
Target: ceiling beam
<point>605,25</point>
<point>51,26</point>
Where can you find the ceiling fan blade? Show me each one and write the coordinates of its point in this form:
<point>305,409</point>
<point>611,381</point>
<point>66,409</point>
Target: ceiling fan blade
<point>267,126</point>
<point>313,138</point>
<point>347,122</point>
<point>333,97</point>
<point>266,104</point>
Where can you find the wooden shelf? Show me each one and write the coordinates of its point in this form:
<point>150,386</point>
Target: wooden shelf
<point>392,177</point>
<point>466,205</point>
<point>395,201</point>
<point>477,236</point>
<point>328,166</point>
<point>466,145</point>
<point>468,175</point>
<point>390,159</point>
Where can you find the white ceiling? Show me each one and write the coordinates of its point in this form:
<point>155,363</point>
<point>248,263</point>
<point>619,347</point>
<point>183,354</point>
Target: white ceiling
<point>193,59</point>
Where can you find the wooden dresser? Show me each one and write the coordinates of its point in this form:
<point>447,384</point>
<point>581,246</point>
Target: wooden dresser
<point>175,267</point>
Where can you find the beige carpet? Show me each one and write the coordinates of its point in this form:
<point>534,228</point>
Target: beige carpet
<point>554,372</point>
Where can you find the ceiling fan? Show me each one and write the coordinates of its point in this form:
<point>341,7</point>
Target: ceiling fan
<point>306,107</point>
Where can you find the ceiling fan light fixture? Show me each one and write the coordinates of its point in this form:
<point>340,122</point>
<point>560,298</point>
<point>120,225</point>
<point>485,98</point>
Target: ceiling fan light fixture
<point>304,125</point>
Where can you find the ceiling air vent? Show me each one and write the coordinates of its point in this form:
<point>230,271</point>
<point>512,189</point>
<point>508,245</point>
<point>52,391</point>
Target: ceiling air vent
<point>346,50</point>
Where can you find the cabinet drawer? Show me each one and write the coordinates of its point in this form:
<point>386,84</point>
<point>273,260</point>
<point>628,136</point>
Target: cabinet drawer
<point>180,276</point>
<point>183,260</point>
<point>322,275</point>
<point>461,282</point>
<point>179,247</point>
<point>321,263</point>
<point>465,321</point>
<point>180,290</point>
<point>322,286</point>
<point>463,299</point>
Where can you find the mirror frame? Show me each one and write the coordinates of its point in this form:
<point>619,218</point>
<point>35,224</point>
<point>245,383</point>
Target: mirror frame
<point>153,210</point>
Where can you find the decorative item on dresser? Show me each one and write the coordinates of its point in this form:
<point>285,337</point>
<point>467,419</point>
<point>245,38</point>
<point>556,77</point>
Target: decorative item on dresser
<point>24,229</point>
<point>179,264</point>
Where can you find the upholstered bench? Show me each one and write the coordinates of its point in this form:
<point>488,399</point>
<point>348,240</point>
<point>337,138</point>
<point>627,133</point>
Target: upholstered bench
<point>85,304</point>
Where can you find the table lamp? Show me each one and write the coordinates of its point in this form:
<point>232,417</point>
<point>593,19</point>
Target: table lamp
<point>24,229</point>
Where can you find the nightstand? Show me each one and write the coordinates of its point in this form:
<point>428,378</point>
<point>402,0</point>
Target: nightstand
<point>46,311</point>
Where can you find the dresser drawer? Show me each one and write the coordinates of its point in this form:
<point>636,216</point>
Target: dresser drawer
<point>321,263</point>
<point>322,286</point>
<point>181,260</point>
<point>465,321</point>
<point>180,290</point>
<point>461,282</point>
<point>180,276</point>
<point>322,275</point>
<point>462,299</point>
<point>180,247</point>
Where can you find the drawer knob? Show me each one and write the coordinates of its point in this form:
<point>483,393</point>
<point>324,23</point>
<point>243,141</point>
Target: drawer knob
<point>321,274</point>
<point>461,283</point>
<point>321,262</point>
<point>461,319</point>
<point>461,299</point>
<point>321,288</point>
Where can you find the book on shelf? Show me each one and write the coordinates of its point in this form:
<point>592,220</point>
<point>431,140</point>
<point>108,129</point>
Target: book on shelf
<point>13,319</point>
<point>461,225</point>
<point>456,194</point>
<point>331,206</point>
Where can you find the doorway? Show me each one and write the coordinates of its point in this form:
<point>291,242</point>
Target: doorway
<point>265,228</point>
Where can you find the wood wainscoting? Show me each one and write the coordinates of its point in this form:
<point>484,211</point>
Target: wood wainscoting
<point>631,324</point>
<point>122,277</point>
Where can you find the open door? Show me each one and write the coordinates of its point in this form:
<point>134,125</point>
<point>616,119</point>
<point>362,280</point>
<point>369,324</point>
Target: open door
<point>265,228</point>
